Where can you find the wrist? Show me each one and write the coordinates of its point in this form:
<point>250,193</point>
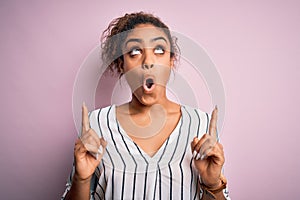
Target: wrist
<point>213,185</point>
<point>77,179</point>
<point>216,188</point>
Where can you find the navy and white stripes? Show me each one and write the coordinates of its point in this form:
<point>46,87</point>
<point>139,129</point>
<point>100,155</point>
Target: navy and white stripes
<point>127,172</point>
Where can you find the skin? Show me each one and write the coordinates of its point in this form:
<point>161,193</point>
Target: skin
<point>85,163</point>
<point>209,167</point>
<point>142,102</point>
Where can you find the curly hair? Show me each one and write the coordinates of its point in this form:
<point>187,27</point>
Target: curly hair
<point>111,40</point>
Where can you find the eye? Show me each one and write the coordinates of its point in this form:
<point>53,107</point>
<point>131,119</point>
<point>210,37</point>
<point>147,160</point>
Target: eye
<point>159,50</point>
<point>135,51</point>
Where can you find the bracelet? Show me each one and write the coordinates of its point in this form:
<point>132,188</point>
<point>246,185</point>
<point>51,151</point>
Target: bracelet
<point>211,191</point>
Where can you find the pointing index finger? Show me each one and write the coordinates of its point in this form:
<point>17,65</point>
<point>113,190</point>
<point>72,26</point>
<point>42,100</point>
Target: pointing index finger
<point>85,118</point>
<point>213,123</point>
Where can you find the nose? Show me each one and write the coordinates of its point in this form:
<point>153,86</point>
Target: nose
<point>148,61</point>
<point>146,66</point>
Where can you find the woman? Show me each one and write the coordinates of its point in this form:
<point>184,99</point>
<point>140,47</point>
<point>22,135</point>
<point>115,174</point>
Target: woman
<point>150,147</point>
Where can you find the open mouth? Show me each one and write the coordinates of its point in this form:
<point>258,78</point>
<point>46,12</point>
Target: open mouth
<point>149,84</point>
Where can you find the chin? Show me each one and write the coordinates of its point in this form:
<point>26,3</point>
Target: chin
<point>146,99</point>
<point>150,103</point>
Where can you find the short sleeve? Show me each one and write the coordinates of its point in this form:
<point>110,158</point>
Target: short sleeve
<point>68,183</point>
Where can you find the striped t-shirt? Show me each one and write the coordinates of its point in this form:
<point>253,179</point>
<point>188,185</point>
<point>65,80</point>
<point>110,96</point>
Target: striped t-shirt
<point>127,172</point>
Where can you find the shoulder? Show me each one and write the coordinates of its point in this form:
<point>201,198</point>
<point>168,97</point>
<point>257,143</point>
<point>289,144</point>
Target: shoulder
<point>196,120</point>
<point>102,111</point>
<point>195,111</point>
<point>100,120</point>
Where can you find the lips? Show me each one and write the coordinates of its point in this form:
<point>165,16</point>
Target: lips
<point>149,84</point>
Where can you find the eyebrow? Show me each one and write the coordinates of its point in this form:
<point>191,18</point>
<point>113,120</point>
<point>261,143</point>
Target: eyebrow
<point>140,40</point>
<point>133,40</point>
<point>159,38</point>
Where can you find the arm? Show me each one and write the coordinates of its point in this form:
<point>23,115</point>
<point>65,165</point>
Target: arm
<point>215,192</point>
<point>209,159</point>
<point>219,196</point>
<point>84,188</point>
<point>80,189</point>
<point>88,152</point>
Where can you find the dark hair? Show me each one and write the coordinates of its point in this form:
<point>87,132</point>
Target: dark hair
<point>111,40</point>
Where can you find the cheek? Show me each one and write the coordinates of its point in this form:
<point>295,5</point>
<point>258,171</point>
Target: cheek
<point>165,60</point>
<point>130,63</point>
<point>127,66</point>
<point>134,78</point>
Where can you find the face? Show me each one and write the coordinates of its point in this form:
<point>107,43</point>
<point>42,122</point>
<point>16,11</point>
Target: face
<point>147,63</point>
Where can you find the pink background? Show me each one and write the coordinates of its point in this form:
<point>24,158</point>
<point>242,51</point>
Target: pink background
<point>254,44</point>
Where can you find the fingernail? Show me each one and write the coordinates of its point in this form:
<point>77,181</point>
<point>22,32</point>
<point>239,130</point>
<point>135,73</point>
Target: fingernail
<point>202,157</point>
<point>194,154</point>
<point>198,156</point>
<point>216,107</point>
<point>83,103</point>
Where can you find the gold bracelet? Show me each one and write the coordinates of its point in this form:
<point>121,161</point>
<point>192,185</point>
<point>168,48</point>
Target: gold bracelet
<point>211,191</point>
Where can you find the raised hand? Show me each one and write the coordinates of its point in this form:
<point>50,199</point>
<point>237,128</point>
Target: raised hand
<point>208,154</point>
<point>89,149</point>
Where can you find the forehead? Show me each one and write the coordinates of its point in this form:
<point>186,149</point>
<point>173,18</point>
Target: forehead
<point>146,32</point>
